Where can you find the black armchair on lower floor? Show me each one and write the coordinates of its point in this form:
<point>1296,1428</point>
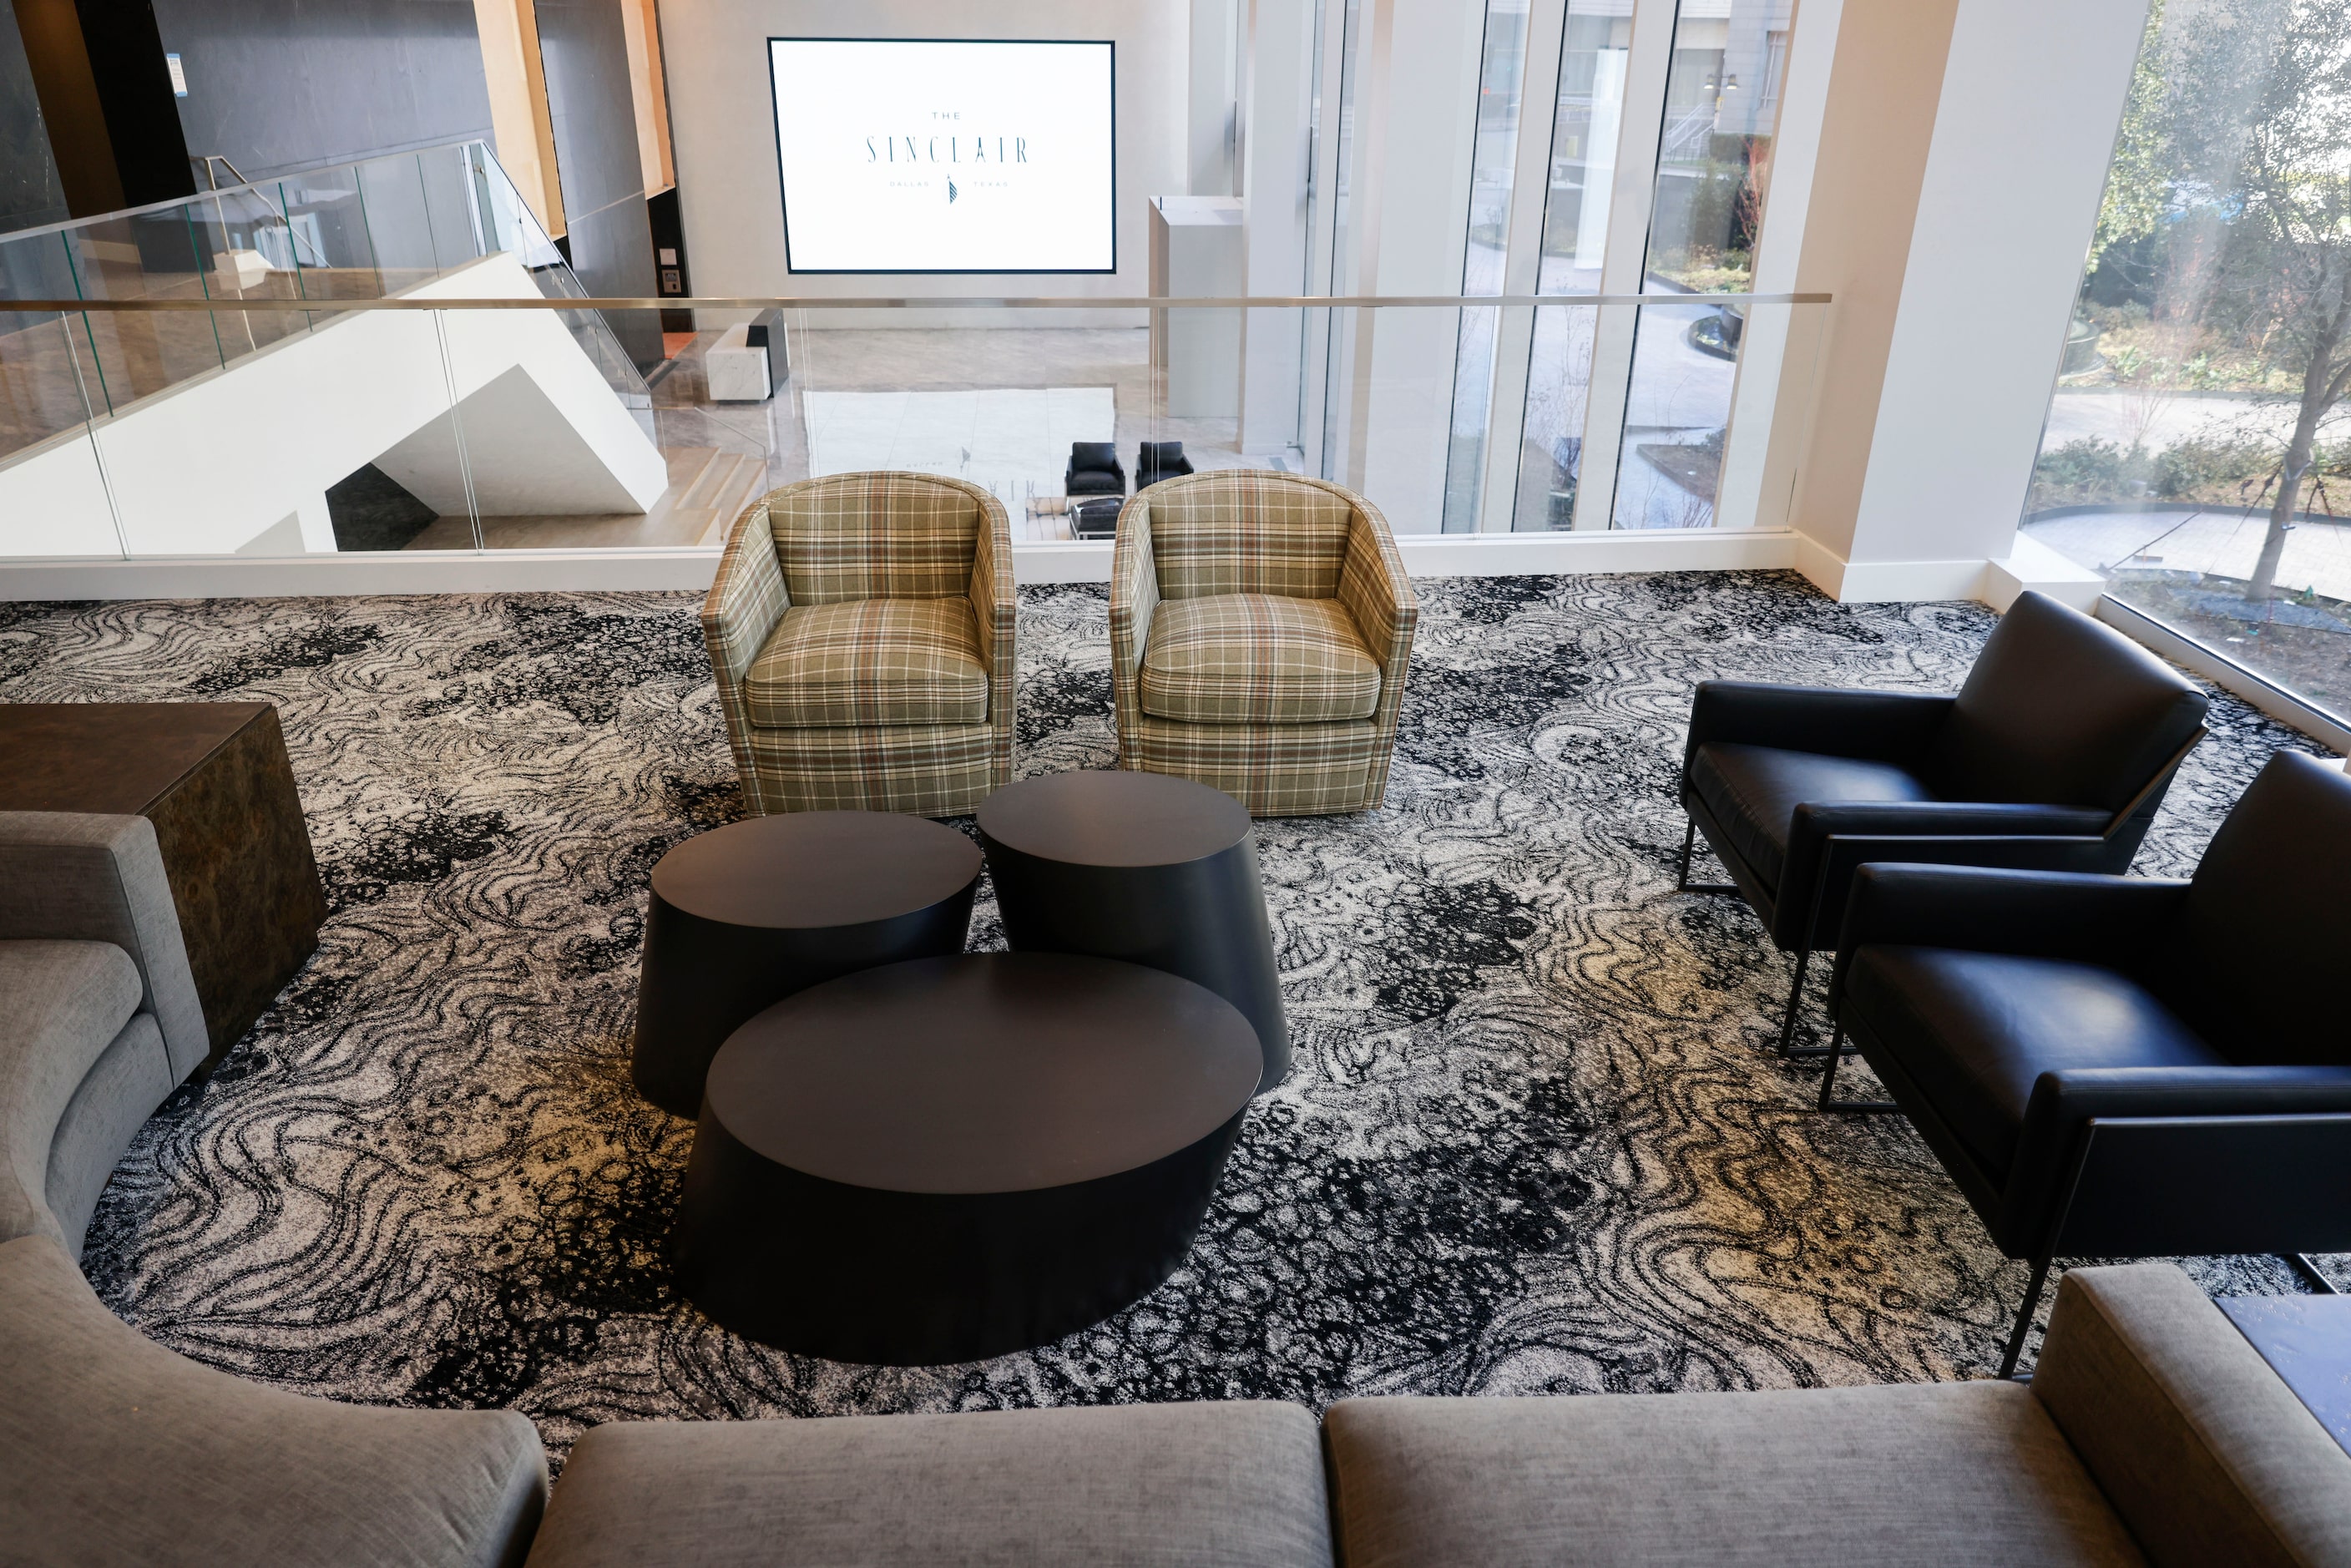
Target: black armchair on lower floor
<point>2054,756</point>
<point>1157,460</point>
<point>1093,470</point>
<point>2117,1067</point>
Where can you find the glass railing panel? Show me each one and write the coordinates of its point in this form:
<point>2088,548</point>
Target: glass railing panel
<point>53,491</point>
<point>399,210</point>
<point>250,251</point>
<point>144,255</point>
<point>342,469</point>
<point>42,390</point>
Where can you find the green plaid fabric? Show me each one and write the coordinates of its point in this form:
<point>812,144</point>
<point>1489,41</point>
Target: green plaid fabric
<point>1274,769</point>
<point>1284,760</point>
<point>1247,531</point>
<point>876,536</point>
<point>833,745</point>
<point>1255,658</point>
<point>927,769</point>
<point>871,662</point>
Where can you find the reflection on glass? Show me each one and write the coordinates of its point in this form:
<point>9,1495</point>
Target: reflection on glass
<point>2194,453</point>
<point>1496,150</point>
<point>1714,166</point>
<point>1586,124</point>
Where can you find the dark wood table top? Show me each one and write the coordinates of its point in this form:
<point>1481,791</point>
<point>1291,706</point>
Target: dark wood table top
<point>808,869</point>
<point>986,1073</point>
<point>1114,818</point>
<point>107,756</point>
<point>2307,1340</point>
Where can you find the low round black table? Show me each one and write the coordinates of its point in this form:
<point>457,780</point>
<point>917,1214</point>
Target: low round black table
<point>1140,866</point>
<point>746,915</point>
<point>951,1158</point>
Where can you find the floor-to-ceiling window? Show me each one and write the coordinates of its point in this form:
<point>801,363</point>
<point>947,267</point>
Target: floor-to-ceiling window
<point>2194,452</point>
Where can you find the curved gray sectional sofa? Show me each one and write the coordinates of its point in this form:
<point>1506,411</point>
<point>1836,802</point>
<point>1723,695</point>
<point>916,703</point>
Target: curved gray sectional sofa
<point>2151,1432</point>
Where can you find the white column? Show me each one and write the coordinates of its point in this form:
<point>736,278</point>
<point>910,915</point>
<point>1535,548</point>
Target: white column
<point>1963,150</point>
<point>1416,114</point>
<point>1212,104</point>
<point>1281,136</point>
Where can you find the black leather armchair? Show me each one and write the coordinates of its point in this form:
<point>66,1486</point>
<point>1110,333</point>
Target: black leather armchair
<point>2054,756</point>
<point>1157,460</point>
<point>1093,470</point>
<point>2124,1067</point>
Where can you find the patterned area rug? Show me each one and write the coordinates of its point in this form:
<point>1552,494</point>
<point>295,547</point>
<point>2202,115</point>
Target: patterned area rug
<point>1535,1140</point>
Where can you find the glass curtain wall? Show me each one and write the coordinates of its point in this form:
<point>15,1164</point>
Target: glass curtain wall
<point>2194,452</point>
<point>1714,165</point>
<point>1587,121</point>
<point>1500,75</point>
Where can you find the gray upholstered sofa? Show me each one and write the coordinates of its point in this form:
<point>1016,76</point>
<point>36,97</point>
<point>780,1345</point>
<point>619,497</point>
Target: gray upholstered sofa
<point>100,1020</point>
<point>2151,1431</point>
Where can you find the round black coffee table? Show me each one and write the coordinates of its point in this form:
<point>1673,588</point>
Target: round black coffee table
<point>951,1158</point>
<point>1140,866</point>
<point>748,913</point>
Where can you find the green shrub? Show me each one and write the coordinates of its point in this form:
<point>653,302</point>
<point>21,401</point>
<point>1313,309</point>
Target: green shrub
<point>2213,470</point>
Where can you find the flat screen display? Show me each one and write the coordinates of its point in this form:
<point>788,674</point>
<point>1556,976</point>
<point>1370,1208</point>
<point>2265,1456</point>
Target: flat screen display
<point>946,155</point>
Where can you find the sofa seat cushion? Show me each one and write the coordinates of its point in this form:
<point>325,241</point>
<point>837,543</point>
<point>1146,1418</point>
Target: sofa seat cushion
<point>1973,1030</point>
<point>67,1002</point>
<point>1237,1483</point>
<point>120,1451</point>
<point>1754,791</point>
<point>864,662</point>
<point>1941,1473</point>
<point>1256,658</point>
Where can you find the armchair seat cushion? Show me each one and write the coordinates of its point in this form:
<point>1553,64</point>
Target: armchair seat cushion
<point>1256,658</point>
<point>865,662</point>
<point>1973,1030</point>
<point>1754,791</point>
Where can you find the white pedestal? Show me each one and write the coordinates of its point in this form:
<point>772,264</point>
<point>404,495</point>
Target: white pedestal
<point>735,371</point>
<point>1195,253</point>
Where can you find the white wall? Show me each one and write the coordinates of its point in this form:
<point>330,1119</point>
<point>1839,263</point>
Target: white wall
<point>722,129</point>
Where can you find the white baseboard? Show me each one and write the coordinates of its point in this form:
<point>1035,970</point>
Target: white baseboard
<point>1597,551</point>
<point>1887,581</point>
<point>357,572</point>
<point>2034,566</point>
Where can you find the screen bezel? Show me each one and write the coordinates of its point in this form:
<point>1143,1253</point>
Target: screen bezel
<point>783,195</point>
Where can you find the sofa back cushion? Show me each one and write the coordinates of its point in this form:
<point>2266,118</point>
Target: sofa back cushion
<point>1248,531</point>
<point>876,536</point>
<point>2063,711</point>
<point>2266,928</point>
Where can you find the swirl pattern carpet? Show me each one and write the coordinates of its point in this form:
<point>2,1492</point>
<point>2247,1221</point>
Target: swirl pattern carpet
<point>1535,1140</point>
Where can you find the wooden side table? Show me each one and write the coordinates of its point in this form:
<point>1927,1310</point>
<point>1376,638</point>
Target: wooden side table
<point>215,780</point>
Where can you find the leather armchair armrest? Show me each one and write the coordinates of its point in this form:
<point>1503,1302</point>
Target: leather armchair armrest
<point>1828,842</point>
<point>2064,1103</point>
<point>2081,917</point>
<point>1880,726</point>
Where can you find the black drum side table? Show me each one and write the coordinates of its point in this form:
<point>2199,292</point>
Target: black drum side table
<point>746,915</point>
<point>953,1158</point>
<point>1145,867</point>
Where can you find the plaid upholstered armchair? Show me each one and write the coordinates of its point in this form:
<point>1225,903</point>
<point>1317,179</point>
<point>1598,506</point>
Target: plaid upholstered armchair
<point>1259,626</point>
<point>861,630</point>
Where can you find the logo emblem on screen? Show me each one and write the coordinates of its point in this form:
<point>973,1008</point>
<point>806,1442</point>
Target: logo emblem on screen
<point>951,193</point>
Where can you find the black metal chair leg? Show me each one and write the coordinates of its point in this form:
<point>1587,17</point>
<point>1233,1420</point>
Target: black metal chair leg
<point>1682,883</point>
<point>1834,1050</point>
<point>2024,1317</point>
<point>1795,1002</point>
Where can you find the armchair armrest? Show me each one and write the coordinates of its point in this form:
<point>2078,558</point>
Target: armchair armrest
<point>85,877</point>
<point>1880,726</point>
<point>1133,599</point>
<point>1827,844</point>
<point>2073,915</point>
<point>994,603</point>
<point>1377,594</point>
<point>747,599</point>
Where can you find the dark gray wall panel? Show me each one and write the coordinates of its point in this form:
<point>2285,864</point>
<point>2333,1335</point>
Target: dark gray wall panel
<point>286,84</point>
<point>584,49</point>
<point>30,195</point>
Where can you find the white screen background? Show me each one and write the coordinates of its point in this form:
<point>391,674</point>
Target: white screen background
<point>912,155</point>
